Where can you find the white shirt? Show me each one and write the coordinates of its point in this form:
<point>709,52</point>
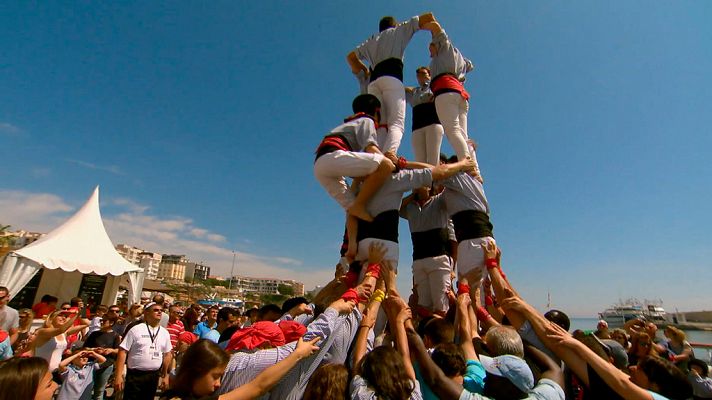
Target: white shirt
<point>146,346</point>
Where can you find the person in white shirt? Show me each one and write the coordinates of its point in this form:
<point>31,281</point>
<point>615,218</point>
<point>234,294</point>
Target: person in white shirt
<point>146,352</point>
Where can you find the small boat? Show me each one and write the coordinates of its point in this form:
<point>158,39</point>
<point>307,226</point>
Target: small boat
<point>617,315</point>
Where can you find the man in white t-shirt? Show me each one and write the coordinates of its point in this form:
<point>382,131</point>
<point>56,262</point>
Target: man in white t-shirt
<point>9,318</point>
<point>146,352</point>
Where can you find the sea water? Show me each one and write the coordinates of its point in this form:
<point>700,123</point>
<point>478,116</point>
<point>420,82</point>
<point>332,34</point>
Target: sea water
<point>693,336</point>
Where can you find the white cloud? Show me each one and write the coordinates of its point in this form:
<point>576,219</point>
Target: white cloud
<point>9,129</point>
<point>106,168</point>
<point>132,225</point>
<point>32,211</point>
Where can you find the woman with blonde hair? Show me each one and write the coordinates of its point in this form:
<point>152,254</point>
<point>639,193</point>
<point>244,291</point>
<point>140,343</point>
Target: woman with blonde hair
<point>51,340</point>
<point>641,347</point>
<point>679,348</point>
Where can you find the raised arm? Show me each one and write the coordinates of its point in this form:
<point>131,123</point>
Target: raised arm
<point>272,375</point>
<point>444,171</point>
<point>549,369</point>
<point>425,19</point>
<point>367,323</point>
<point>616,379</point>
<point>432,26</point>
<point>398,313</point>
<point>44,334</point>
<point>462,322</point>
<point>442,386</point>
<point>356,64</point>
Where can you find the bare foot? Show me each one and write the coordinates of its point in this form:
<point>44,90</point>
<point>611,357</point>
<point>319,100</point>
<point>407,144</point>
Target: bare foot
<point>360,213</point>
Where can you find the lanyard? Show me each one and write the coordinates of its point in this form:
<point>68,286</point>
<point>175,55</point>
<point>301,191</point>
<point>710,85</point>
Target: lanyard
<point>152,335</point>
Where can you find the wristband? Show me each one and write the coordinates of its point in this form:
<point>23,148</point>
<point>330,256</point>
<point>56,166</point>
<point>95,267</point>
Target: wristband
<point>350,295</point>
<point>402,162</point>
<point>378,295</point>
<point>482,314</point>
<point>489,301</point>
<point>463,288</point>
<point>491,263</point>
<point>373,270</point>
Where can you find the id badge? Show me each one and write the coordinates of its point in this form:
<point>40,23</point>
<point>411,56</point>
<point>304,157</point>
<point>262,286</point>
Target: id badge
<point>155,354</point>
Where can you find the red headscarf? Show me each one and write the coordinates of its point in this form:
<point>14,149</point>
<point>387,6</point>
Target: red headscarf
<point>255,335</point>
<point>292,330</point>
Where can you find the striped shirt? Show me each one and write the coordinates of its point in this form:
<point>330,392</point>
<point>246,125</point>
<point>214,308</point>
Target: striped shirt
<point>243,367</point>
<point>174,330</point>
<point>390,43</point>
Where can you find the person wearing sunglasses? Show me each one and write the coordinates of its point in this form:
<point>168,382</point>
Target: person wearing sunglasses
<point>146,352</point>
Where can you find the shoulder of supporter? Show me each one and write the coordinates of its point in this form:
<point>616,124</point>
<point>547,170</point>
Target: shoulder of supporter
<point>360,389</point>
<point>546,389</point>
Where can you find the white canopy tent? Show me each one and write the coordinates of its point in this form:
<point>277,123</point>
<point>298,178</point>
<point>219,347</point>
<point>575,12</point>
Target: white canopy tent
<point>79,246</point>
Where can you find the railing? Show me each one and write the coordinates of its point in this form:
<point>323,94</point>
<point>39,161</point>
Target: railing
<point>702,348</point>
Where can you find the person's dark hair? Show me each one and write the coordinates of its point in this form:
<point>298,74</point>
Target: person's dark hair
<point>293,302</point>
<point>701,364</point>
<point>101,308</point>
<point>671,382</point>
<point>450,358</point>
<point>559,318</point>
<point>384,371</point>
<point>268,308</point>
<point>74,302</point>
<point>23,375</point>
<point>200,358</point>
<point>159,299</point>
<point>190,319</point>
<point>386,23</point>
<point>225,313</point>
<point>65,304</point>
<point>45,298</point>
<point>329,382</point>
<point>251,312</point>
<point>439,331</point>
<point>427,69</point>
<point>366,103</point>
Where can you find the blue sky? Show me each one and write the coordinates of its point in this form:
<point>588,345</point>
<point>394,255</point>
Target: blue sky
<point>199,122</point>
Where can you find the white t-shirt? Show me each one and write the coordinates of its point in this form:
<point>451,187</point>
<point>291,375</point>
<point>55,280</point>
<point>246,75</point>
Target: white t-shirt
<point>146,346</point>
<point>9,318</point>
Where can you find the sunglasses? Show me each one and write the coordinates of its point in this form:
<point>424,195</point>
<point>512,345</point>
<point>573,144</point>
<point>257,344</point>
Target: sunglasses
<point>66,308</point>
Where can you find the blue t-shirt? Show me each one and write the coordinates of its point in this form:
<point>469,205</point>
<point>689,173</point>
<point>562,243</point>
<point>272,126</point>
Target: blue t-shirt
<point>202,329</point>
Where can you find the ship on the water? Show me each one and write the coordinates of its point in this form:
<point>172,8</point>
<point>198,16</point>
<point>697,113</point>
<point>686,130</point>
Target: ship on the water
<point>650,310</point>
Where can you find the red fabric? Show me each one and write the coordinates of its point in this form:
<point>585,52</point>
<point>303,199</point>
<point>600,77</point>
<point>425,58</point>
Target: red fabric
<point>42,309</point>
<point>350,295</point>
<point>334,141</point>
<point>188,337</point>
<point>175,330</point>
<point>449,82</point>
<point>292,330</point>
<point>3,335</point>
<point>491,263</point>
<point>482,314</point>
<point>463,288</point>
<point>374,270</point>
<point>350,279</point>
<point>255,335</point>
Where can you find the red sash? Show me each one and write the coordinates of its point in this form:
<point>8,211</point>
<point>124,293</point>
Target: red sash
<point>448,83</point>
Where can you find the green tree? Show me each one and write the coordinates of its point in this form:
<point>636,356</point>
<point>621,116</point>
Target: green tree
<point>286,290</point>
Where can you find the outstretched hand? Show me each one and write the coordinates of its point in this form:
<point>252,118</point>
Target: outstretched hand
<point>305,349</point>
<point>376,252</point>
<point>560,336</point>
<point>490,249</point>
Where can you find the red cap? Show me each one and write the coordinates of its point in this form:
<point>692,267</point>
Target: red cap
<point>188,337</point>
<point>292,330</point>
<point>255,335</point>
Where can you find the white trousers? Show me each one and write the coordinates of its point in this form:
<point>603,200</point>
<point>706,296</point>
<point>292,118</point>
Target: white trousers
<point>392,252</point>
<point>471,259</point>
<point>452,112</point>
<point>426,143</point>
<point>391,93</point>
<point>331,168</point>
<point>432,280</point>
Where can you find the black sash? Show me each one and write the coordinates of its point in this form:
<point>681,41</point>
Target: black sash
<point>424,114</point>
<point>388,67</point>
<point>471,224</point>
<point>432,243</point>
<point>331,143</point>
<point>384,226</point>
